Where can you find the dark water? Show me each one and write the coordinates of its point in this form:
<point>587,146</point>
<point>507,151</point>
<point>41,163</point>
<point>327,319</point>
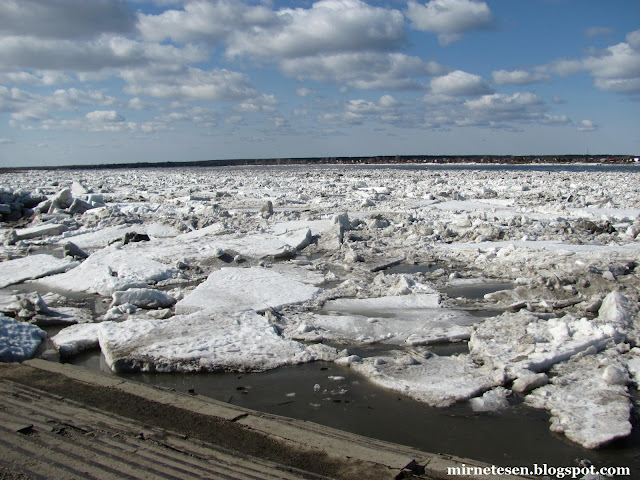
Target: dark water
<point>516,436</point>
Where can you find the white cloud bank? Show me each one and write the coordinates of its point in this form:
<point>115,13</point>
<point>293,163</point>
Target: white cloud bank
<point>449,18</point>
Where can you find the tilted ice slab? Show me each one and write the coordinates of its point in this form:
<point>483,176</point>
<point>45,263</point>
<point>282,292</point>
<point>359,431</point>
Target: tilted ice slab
<point>18,340</point>
<point>235,289</point>
<point>112,269</point>
<point>32,267</point>
<point>585,403</point>
<point>77,338</point>
<point>519,343</point>
<point>203,341</point>
<point>408,319</point>
<point>437,381</point>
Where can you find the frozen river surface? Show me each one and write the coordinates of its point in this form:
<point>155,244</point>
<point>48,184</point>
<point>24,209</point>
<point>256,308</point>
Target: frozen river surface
<point>480,290</point>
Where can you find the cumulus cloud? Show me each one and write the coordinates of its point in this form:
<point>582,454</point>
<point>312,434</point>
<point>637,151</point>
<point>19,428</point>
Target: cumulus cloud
<point>460,83</point>
<point>65,19</point>
<point>449,18</point>
<point>587,126</point>
<point>519,77</point>
<point>329,26</point>
<point>30,52</point>
<point>104,116</point>
<point>188,83</point>
<point>203,20</point>
<point>366,70</point>
<point>615,69</point>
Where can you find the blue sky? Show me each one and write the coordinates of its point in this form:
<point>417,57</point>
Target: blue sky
<point>108,81</point>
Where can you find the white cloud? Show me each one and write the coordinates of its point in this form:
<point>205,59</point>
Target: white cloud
<point>329,26</point>
<point>65,19</point>
<point>304,92</point>
<point>587,126</point>
<point>449,18</point>
<point>597,31</point>
<point>210,21</point>
<point>5,141</point>
<point>366,70</point>
<point>518,77</point>
<point>189,83</point>
<point>105,52</point>
<point>104,116</point>
<point>259,103</point>
<point>460,83</point>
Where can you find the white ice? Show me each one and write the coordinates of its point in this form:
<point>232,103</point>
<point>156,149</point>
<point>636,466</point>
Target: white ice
<point>583,406</point>
<point>437,381</point>
<point>32,267</point>
<point>521,343</point>
<point>76,338</point>
<point>18,340</point>
<point>415,319</point>
<point>235,289</point>
<point>207,340</point>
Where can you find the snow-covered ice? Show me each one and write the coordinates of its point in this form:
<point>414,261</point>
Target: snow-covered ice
<point>435,380</point>
<point>235,289</point>
<point>18,340</point>
<point>33,266</point>
<point>584,405</point>
<point>207,340</point>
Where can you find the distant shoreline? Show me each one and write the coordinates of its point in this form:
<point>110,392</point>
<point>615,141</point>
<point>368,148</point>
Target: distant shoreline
<point>370,160</point>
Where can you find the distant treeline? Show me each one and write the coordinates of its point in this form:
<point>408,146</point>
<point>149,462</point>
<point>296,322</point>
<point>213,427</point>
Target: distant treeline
<point>377,160</point>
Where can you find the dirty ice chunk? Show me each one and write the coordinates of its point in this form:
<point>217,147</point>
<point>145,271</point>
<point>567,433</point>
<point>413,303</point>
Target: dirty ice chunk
<point>143,297</point>
<point>583,406</point>
<point>235,289</point>
<point>74,339</point>
<point>619,311</point>
<point>419,327</point>
<point>519,341</point>
<point>32,267</point>
<point>18,340</point>
<point>203,341</point>
<point>437,381</point>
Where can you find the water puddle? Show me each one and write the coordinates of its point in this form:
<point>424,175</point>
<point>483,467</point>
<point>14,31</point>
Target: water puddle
<point>475,291</point>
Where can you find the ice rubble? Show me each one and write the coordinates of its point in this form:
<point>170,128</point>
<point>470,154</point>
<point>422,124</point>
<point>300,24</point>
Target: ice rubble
<point>314,252</point>
<point>586,403</point>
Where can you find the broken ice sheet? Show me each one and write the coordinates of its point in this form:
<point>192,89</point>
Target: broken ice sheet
<point>585,404</point>
<point>32,267</point>
<point>207,340</point>
<point>522,343</point>
<point>235,289</point>
<point>437,381</point>
<point>415,319</point>
<point>77,338</point>
<point>18,340</point>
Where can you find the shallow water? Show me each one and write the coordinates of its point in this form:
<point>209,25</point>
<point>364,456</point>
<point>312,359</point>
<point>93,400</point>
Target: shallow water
<point>517,436</point>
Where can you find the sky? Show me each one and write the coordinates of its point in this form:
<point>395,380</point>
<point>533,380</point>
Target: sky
<point>114,81</point>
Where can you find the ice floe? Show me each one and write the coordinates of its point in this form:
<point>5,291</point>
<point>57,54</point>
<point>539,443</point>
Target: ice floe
<point>207,340</point>
<point>235,289</point>
<point>18,340</point>
<point>435,380</point>
<point>31,267</point>
<point>588,399</point>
